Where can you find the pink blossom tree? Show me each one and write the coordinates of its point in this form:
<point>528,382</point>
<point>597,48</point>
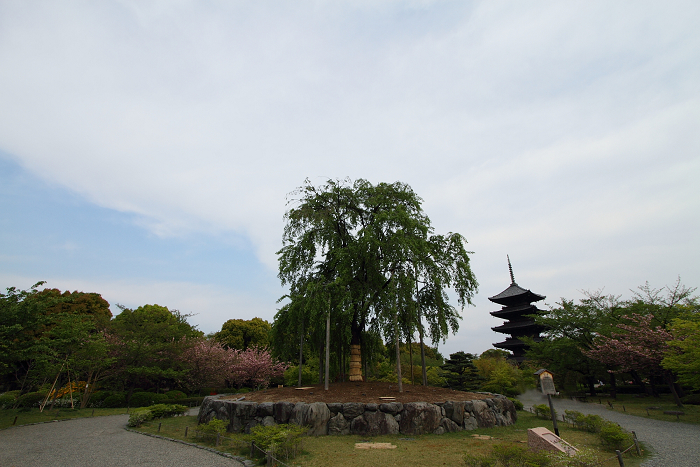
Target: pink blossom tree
<point>641,347</point>
<point>209,363</point>
<point>255,367</point>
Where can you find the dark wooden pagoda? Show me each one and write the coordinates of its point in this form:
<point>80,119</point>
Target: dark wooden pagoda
<point>517,303</point>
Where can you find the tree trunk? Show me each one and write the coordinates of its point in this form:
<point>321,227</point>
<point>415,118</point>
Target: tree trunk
<point>669,379</point>
<point>591,385</point>
<point>613,386</point>
<point>422,351</point>
<point>301,350</point>
<point>638,380</point>
<point>410,354</point>
<point>398,355</point>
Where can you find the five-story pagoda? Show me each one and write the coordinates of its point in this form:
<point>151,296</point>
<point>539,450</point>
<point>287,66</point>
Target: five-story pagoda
<point>516,305</point>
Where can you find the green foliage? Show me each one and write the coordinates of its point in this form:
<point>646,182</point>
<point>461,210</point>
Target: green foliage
<point>460,372</point>
<point>175,395</point>
<point>510,455</point>
<point>359,251</point>
<point>500,376</point>
<point>213,427</point>
<point>8,399</point>
<point>692,399</point>
<point>518,405</point>
<point>308,376</point>
<point>614,436</point>
<point>543,411</point>
<point>471,460</point>
<point>282,440</point>
<point>139,417</point>
<point>242,334</point>
<point>115,400</point>
<point>683,357</point>
<point>610,433</point>
<point>144,399</point>
<point>31,399</point>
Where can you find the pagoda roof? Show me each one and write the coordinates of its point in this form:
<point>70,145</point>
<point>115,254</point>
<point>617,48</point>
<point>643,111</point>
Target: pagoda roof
<point>515,295</point>
<point>508,311</point>
<point>519,327</point>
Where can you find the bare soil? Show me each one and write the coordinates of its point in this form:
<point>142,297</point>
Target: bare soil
<point>359,392</point>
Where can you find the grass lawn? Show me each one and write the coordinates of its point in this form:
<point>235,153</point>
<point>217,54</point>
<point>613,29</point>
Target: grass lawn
<point>650,407</point>
<point>447,449</point>
<point>25,417</point>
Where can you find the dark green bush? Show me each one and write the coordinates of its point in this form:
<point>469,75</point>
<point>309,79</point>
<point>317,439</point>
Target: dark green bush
<point>98,397</point>
<point>118,399</point>
<point>190,401</point>
<point>8,399</point>
<point>175,395</point>
<point>691,399</point>
<point>283,440</point>
<point>144,399</point>
<point>31,399</point>
<point>518,405</point>
<point>542,411</point>
<point>243,391</point>
<point>138,417</point>
<point>614,436</point>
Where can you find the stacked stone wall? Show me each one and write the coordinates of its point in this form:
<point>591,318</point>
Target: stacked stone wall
<point>413,418</point>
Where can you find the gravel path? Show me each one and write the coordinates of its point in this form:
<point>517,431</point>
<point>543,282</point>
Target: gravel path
<point>674,444</point>
<point>98,441</point>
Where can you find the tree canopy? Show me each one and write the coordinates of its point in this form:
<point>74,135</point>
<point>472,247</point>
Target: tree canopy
<point>368,253</point>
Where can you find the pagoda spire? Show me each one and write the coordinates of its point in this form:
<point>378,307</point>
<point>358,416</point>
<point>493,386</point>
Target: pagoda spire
<point>510,268</point>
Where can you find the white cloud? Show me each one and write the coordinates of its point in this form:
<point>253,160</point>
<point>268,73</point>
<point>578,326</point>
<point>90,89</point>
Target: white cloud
<point>562,132</point>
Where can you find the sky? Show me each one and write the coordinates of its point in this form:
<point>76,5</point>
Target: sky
<point>148,148</point>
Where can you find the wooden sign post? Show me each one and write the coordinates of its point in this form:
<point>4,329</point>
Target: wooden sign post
<point>547,386</point>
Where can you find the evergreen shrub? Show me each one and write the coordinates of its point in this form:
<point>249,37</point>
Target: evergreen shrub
<point>117,399</point>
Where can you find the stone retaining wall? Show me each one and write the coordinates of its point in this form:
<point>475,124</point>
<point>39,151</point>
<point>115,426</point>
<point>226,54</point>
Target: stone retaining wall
<point>413,418</point>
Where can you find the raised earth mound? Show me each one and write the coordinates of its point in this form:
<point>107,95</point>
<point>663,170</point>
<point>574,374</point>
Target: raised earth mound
<point>366,409</point>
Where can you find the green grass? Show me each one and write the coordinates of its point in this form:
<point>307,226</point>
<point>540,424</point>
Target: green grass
<point>25,417</point>
<point>639,406</point>
<point>446,449</point>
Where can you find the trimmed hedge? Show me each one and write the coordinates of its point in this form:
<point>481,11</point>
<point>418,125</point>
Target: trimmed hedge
<point>176,395</point>
<point>115,400</point>
<point>155,411</point>
<point>31,399</point>
<point>144,399</point>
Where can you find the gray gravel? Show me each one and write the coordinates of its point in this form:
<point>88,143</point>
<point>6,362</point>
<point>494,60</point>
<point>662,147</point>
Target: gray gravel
<point>98,441</point>
<point>674,444</point>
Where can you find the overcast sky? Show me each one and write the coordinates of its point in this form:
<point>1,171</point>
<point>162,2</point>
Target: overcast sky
<point>147,147</point>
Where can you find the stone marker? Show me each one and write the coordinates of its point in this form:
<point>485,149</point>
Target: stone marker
<point>541,439</point>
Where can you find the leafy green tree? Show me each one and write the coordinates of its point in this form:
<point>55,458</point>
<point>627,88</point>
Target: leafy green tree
<point>361,249</point>
<point>683,356</point>
<point>461,373</point>
<point>499,375</point>
<point>242,334</point>
<point>148,342</point>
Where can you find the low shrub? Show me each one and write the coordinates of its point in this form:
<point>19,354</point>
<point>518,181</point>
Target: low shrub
<point>97,398</point>
<point>213,427</point>
<point>590,423</point>
<point>8,399</point>
<point>518,405</point>
<point>175,395</point>
<point>31,399</point>
<point>280,440</point>
<point>542,411</point>
<point>115,400</point>
<point>242,391</point>
<point>189,401</point>
<point>139,417</point>
<point>470,460</point>
<point>691,399</point>
<point>144,399</point>
<point>614,436</point>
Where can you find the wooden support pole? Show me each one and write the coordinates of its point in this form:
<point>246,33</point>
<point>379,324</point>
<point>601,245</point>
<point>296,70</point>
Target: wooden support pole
<point>554,416</point>
<point>636,444</point>
<point>186,428</point>
<point>619,458</point>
